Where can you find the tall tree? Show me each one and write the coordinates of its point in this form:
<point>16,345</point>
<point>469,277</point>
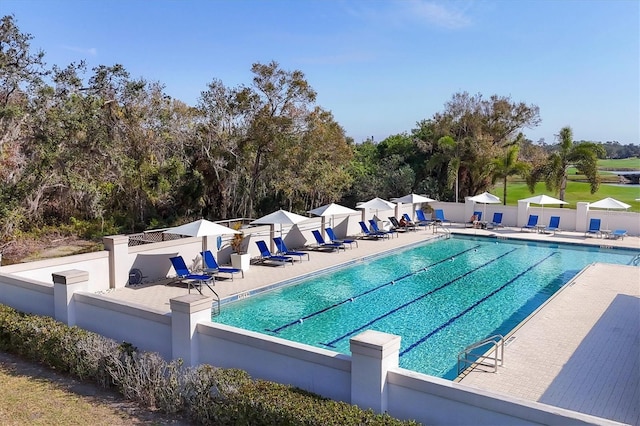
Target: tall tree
<point>481,128</point>
<point>503,167</point>
<point>584,156</point>
<point>283,100</point>
<point>451,151</point>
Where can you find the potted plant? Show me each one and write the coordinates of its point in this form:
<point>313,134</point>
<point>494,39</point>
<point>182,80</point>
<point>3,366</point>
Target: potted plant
<point>239,259</point>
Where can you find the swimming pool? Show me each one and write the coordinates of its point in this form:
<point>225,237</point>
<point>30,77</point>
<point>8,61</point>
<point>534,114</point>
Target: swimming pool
<point>438,296</point>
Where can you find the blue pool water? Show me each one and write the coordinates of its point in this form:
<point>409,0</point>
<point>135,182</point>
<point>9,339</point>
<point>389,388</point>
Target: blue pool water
<point>438,296</point>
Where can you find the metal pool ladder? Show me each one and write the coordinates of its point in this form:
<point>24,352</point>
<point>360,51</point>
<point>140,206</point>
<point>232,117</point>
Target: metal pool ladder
<point>438,225</point>
<point>490,358</point>
<point>636,260</point>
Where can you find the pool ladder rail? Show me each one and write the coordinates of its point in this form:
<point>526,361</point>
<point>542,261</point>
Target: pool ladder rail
<point>440,225</point>
<point>636,260</point>
<point>492,358</point>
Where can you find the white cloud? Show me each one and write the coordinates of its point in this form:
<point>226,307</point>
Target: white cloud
<point>91,51</point>
<point>442,14</point>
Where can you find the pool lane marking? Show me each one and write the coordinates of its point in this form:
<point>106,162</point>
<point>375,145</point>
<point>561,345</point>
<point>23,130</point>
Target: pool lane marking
<point>472,307</point>
<point>404,305</point>
<point>335,305</point>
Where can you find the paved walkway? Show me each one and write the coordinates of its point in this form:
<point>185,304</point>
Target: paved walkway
<point>580,351</point>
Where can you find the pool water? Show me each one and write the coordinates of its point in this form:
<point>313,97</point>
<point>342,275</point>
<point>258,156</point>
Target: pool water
<point>438,296</point>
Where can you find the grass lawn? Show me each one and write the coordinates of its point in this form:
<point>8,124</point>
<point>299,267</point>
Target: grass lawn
<point>576,191</point>
<point>581,191</point>
<point>35,395</point>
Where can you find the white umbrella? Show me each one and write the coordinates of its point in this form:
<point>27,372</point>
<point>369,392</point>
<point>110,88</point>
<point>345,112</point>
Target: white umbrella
<point>413,199</point>
<point>280,217</point>
<point>331,210</point>
<point>609,204</point>
<point>201,228</point>
<point>485,198</point>
<point>376,204</point>
<point>542,200</point>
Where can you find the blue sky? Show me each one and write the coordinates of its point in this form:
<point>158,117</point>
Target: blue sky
<point>379,66</point>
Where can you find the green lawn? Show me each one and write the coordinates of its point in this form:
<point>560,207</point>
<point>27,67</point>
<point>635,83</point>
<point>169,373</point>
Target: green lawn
<point>607,164</point>
<point>576,191</point>
<point>624,164</point>
<point>580,191</point>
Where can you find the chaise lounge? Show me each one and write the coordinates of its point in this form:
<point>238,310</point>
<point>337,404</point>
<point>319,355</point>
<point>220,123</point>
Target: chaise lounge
<point>192,280</point>
<point>266,256</point>
<point>211,265</point>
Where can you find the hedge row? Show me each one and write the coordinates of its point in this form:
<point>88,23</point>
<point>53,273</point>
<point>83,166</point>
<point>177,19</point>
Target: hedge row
<point>205,394</point>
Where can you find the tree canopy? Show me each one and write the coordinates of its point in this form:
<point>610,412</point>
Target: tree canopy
<point>112,153</point>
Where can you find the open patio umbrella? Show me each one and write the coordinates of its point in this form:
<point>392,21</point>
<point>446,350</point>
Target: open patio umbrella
<point>332,210</point>
<point>376,204</point>
<point>413,199</point>
<point>609,204</point>
<point>201,228</point>
<point>543,200</point>
<point>280,217</point>
<point>485,198</point>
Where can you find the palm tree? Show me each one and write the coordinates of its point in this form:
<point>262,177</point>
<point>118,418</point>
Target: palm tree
<point>584,156</point>
<point>502,168</point>
<point>450,146</point>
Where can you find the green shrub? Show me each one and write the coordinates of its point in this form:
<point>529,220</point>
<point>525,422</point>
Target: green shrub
<point>206,394</point>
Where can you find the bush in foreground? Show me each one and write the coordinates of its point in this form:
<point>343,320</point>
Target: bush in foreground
<point>206,394</point>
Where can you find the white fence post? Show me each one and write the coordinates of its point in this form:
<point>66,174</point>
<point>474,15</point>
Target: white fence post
<point>186,312</point>
<point>118,248</point>
<point>372,354</point>
<point>65,283</point>
<point>582,216</point>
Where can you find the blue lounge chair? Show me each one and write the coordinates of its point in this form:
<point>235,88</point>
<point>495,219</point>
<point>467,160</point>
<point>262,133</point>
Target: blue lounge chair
<point>422,219</point>
<point>531,224</point>
<point>554,224</point>
<point>370,234</point>
<point>594,228</point>
<point>321,244</point>
<point>212,267</point>
<point>284,251</point>
<point>618,233</point>
<point>496,222</point>
<point>374,228</point>
<point>192,280</point>
<point>334,239</point>
<point>439,213</point>
<point>267,256</point>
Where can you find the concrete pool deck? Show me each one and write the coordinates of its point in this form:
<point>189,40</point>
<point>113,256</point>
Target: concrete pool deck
<point>580,351</point>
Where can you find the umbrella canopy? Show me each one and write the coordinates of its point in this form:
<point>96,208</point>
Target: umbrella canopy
<point>413,199</point>
<point>201,228</point>
<point>609,204</point>
<point>376,204</point>
<point>280,217</point>
<point>485,198</point>
<point>331,210</point>
<point>542,200</point>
